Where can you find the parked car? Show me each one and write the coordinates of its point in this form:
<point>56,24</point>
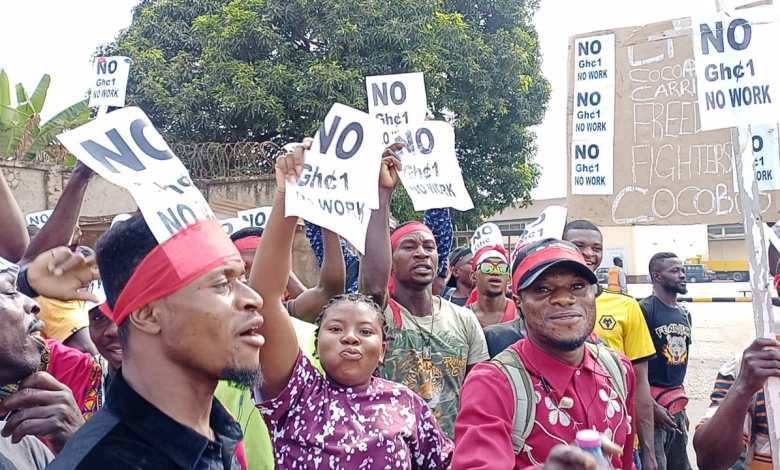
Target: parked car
<point>697,273</point>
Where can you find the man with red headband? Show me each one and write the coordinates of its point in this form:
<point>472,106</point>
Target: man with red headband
<point>185,321</point>
<point>434,342</point>
<point>542,390</point>
<point>490,272</point>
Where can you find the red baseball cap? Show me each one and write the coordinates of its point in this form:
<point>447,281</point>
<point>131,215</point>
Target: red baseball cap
<point>535,258</point>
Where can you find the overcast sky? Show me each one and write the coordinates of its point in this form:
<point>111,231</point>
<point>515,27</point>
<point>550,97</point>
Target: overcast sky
<point>60,37</point>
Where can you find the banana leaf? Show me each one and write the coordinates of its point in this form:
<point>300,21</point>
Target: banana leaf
<point>21,95</point>
<point>39,95</point>
<point>69,118</point>
<point>5,89</point>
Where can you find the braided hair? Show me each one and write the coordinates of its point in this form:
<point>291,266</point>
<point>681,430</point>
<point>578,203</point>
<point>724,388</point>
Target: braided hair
<point>351,299</point>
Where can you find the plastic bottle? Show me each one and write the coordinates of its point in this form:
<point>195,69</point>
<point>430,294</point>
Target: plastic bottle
<point>590,441</point>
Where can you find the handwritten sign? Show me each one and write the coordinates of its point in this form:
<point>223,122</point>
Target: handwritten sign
<point>39,218</point>
<point>736,72</point>
<point>666,169</point>
<point>396,101</point>
<point>338,185</point>
<point>110,81</point>
<point>431,173</point>
<point>125,148</point>
<point>487,234</point>
<point>592,121</point>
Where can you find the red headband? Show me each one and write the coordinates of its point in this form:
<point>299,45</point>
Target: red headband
<point>541,255</point>
<point>247,243</point>
<point>173,264</point>
<point>501,253</point>
<point>406,230</point>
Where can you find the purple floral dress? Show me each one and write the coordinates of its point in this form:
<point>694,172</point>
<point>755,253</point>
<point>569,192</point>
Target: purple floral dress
<point>316,423</point>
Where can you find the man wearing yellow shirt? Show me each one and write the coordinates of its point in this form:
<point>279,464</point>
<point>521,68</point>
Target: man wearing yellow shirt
<point>621,324</point>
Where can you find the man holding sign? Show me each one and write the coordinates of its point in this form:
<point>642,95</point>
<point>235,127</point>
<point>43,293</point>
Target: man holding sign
<point>434,342</point>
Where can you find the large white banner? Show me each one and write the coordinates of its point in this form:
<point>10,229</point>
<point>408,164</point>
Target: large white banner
<point>110,82</point>
<point>736,67</point>
<point>338,186</point>
<point>592,120</point>
<point>396,101</point>
<point>431,172</point>
<point>125,148</point>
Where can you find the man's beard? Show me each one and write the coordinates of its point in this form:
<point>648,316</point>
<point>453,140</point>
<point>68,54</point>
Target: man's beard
<point>567,345</point>
<point>243,378</point>
<point>674,288</point>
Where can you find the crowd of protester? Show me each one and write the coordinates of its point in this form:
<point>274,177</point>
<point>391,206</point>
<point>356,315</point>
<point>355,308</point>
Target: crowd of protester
<point>207,352</point>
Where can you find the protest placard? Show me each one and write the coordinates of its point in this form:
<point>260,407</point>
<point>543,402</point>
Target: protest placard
<point>592,120</point>
<point>38,218</point>
<point>487,234</point>
<point>256,217</point>
<point>124,148</point>
<point>549,224</point>
<point>110,82</point>
<point>766,164</point>
<point>431,173</point>
<point>396,101</point>
<point>666,169</point>
<point>233,225</point>
<point>338,186</point>
<point>735,56</point>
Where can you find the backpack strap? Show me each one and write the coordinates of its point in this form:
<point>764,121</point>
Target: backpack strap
<point>524,397</point>
<point>611,362</point>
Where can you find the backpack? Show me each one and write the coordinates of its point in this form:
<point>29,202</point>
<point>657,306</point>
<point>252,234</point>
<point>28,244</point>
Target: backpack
<point>525,398</point>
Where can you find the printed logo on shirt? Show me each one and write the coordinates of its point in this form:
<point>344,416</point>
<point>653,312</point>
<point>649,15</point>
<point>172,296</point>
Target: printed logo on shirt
<point>675,350</point>
<point>607,322</point>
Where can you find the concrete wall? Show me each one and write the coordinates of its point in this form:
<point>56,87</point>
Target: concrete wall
<point>38,186</point>
<point>727,249</point>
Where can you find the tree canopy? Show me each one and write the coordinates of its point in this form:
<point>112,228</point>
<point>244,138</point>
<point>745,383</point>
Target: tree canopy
<point>234,70</point>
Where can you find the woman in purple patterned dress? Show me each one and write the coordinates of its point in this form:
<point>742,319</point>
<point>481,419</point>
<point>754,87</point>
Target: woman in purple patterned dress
<point>347,418</point>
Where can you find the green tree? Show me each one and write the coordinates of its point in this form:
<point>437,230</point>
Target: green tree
<point>21,133</point>
<point>232,70</point>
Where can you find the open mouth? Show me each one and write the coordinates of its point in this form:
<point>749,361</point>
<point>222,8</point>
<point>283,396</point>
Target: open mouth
<point>422,268</point>
<point>251,334</point>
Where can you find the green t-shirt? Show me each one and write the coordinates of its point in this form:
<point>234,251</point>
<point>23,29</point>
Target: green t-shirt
<point>257,441</point>
<point>430,354</point>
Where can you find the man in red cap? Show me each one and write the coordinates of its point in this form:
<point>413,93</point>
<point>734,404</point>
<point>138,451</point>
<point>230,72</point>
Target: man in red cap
<point>543,389</point>
<point>185,320</point>
<point>434,342</point>
<point>490,271</point>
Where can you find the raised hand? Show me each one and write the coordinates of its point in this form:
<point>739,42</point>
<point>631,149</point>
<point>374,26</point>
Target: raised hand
<point>62,274</point>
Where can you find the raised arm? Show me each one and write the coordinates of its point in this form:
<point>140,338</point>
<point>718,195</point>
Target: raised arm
<point>59,227</point>
<point>307,305</point>
<point>376,264</point>
<point>269,277</point>
<point>13,231</point>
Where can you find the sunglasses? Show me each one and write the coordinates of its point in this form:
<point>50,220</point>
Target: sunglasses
<point>486,267</point>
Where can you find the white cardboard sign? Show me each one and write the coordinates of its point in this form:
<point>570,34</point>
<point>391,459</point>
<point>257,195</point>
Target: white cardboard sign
<point>593,116</point>
<point>338,185</point>
<point>233,225</point>
<point>397,101</point>
<point>125,148</point>
<point>39,218</point>
<point>256,217</point>
<point>549,224</point>
<point>487,234</point>
<point>431,173</point>
<point>736,67</point>
<point>766,160</point>
<point>110,82</point>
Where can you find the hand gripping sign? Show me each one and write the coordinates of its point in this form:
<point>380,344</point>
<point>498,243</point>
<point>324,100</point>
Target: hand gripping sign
<point>431,173</point>
<point>110,81</point>
<point>338,185</point>
<point>125,148</point>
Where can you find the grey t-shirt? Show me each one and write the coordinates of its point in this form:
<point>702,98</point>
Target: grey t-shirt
<point>29,453</point>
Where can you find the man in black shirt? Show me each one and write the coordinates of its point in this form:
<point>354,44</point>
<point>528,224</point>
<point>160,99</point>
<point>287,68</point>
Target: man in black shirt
<point>670,327</point>
<point>185,321</point>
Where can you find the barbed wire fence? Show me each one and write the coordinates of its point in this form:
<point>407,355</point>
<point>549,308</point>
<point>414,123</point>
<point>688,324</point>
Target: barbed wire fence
<point>212,160</point>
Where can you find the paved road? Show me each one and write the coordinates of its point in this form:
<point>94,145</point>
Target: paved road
<point>720,331</point>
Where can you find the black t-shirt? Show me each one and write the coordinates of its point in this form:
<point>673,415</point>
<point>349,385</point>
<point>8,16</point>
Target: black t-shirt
<point>670,328</point>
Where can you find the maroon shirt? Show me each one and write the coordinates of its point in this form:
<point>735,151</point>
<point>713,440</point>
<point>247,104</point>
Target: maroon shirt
<point>572,399</point>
